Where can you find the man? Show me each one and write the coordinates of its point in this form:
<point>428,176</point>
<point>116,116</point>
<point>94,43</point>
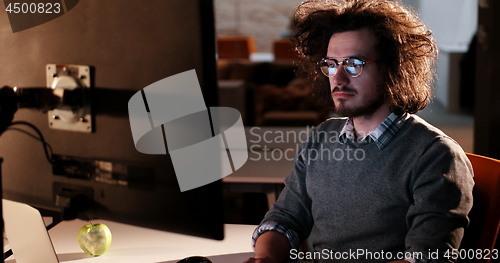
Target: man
<point>405,192</point>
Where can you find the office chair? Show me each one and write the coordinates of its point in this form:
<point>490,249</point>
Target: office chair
<point>284,49</point>
<point>235,47</point>
<point>483,230</point>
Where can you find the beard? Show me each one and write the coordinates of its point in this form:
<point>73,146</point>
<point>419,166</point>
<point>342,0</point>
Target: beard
<point>367,107</point>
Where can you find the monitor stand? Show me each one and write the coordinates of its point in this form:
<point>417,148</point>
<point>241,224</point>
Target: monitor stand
<point>26,233</point>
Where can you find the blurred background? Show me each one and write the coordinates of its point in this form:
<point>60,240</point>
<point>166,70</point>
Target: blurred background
<point>258,73</point>
<point>253,40</point>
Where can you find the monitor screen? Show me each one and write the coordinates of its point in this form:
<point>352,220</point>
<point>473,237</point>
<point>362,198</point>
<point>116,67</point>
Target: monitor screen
<point>127,45</point>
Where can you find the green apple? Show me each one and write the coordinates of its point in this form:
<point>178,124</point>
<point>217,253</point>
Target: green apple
<point>94,239</point>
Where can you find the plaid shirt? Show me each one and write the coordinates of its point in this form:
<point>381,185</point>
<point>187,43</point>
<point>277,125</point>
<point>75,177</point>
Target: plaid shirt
<point>382,136</point>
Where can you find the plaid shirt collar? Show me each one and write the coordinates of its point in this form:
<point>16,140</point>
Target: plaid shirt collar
<point>382,135</point>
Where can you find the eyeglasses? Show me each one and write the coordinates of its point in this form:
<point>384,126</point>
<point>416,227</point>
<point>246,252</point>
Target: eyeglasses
<point>352,66</point>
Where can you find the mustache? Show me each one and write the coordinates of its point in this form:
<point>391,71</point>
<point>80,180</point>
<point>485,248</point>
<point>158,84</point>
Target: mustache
<point>343,89</point>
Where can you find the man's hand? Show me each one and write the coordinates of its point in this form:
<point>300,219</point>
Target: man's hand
<point>270,247</point>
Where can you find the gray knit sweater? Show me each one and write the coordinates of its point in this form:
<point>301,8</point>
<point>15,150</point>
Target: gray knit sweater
<point>413,195</point>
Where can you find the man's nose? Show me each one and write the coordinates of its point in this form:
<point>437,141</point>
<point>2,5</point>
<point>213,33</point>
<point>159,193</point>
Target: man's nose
<point>340,79</point>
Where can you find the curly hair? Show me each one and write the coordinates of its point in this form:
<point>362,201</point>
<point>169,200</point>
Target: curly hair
<point>406,49</point>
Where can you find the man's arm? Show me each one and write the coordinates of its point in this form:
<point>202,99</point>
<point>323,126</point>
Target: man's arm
<point>289,220</point>
<point>270,247</point>
<point>442,193</point>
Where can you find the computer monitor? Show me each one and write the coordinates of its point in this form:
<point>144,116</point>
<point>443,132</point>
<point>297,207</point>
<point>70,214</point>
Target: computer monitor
<point>129,45</point>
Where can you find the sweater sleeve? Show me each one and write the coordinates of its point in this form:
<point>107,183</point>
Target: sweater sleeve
<point>292,210</point>
<point>441,185</point>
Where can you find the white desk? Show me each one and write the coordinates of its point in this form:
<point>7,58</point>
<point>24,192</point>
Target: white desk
<point>133,244</point>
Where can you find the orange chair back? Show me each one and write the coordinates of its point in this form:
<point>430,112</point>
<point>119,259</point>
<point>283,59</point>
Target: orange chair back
<point>485,214</point>
<point>283,49</point>
<point>235,46</point>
